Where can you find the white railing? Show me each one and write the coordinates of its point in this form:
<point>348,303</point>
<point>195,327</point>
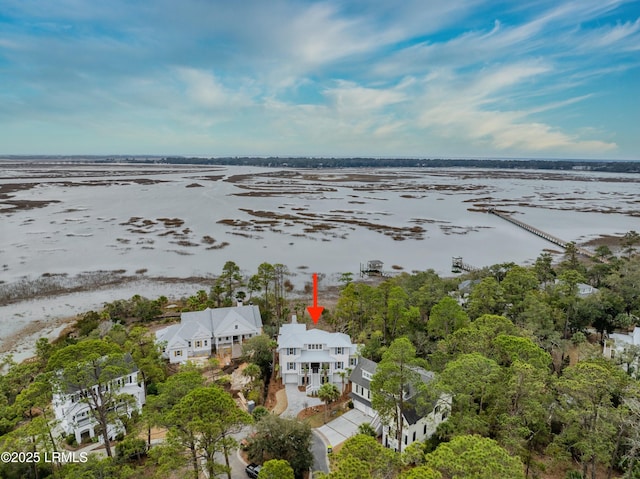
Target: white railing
<point>314,384</point>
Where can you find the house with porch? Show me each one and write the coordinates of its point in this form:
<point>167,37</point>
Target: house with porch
<point>219,330</point>
<point>312,357</point>
<point>417,426</point>
<point>74,414</point>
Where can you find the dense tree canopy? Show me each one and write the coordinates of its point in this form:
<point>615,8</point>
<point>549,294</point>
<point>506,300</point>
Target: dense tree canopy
<point>519,350</point>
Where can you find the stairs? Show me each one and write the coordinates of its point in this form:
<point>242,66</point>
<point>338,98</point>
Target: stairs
<point>314,385</point>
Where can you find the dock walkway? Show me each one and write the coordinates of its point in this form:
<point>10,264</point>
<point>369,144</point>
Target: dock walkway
<point>543,234</point>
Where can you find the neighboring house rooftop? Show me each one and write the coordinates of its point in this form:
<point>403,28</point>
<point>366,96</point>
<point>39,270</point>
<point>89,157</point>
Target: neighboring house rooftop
<point>410,407</point>
<point>467,285</point>
<point>366,365</point>
<point>213,322</point>
<point>69,388</point>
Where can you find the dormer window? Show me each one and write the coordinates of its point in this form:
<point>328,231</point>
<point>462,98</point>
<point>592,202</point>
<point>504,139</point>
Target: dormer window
<point>314,346</point>
<point>236,326</point>
<point>367,375</point>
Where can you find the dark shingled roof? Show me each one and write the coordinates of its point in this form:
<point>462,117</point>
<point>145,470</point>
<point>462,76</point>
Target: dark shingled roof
<point>356,374</point>
<point>409,411</point>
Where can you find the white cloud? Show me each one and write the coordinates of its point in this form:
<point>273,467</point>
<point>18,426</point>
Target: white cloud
<point>205,90</point>
<point>622,34</point>
<point>476,113</point>
<point>349,97</point>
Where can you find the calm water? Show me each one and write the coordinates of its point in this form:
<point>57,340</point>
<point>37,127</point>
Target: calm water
<point>90,227</point>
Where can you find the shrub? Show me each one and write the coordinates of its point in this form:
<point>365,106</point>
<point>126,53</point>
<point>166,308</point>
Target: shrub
<point>259,412</point>
<point>131,448</point>
<point>70,439</point>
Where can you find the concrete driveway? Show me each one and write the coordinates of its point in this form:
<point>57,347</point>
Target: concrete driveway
<point>297,401</point>
<point>343,427</point>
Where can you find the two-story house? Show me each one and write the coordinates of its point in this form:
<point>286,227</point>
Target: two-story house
<point>360,394</point>
<point>313,357</point>
<point>416,426</point>
<point>219,330</point>
<point>73,411</point>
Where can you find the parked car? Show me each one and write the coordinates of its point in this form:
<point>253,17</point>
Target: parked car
<point>253,470</point>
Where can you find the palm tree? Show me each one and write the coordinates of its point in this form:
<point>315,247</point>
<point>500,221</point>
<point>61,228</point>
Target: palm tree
<point>343,374</point>
<point>328,393</point>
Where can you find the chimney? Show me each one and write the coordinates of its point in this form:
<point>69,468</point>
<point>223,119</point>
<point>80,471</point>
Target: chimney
<point>294,319</point>
<point>239,303</point>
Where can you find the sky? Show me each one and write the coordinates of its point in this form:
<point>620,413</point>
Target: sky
<point>381,78</point>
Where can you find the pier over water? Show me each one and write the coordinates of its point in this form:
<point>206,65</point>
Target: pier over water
<point>542,234</point>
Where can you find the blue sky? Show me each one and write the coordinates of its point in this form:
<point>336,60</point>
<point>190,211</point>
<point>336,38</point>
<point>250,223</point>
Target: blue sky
<point>384,78</point>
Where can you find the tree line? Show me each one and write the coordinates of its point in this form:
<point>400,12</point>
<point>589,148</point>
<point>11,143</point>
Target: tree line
<point>610,166</point>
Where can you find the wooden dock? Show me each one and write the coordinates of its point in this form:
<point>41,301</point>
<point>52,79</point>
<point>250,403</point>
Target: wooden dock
<point>542,234</point>
<point>457,265</point>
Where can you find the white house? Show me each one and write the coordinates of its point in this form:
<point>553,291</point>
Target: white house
<point>360,394</point>
<point>73,413</point>
<point>221,330</point>
<point>313,357</point>
<point>416,427</point>
<point>585,290</point>
<point>617,344</point>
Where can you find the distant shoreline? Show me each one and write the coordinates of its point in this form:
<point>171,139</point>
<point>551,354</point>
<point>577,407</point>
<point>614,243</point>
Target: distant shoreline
<point>599,165</point>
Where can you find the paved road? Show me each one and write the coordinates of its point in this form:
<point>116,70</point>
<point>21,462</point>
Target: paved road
<point>319,451</point>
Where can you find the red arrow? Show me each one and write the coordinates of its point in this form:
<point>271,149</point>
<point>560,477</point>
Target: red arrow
<point>315,311</point>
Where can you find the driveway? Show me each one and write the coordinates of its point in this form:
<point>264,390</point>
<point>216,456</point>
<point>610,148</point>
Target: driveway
<point>297,401</point>
<point>343,427</point>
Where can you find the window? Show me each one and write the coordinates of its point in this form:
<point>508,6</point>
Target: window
<point>291,366</point>
<point>189,343</point>
<point>339,350</point>
<point>206,342</point>
<point>367,375</point>
<point>406,440</point>
<point>425,430</point>
<point>291,351</point>
<point>339,365</point>
<point>414,436</point>
<point>177,353</point>
<point>314,346</point>
<point>236,326</point>
<point>198,344</point>
<point>353,361</point>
